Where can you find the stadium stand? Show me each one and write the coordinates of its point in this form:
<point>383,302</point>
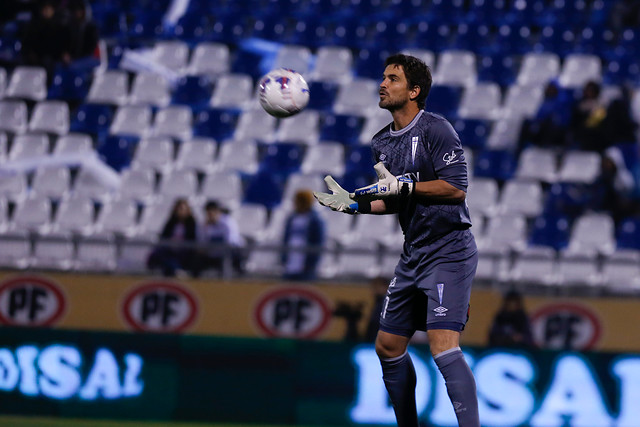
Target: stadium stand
<point>185,122</point>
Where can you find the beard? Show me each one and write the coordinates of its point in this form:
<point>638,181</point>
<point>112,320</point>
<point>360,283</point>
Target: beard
<point>391,104</point>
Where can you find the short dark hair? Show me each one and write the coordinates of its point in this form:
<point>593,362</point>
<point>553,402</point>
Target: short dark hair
<point>417,72</point>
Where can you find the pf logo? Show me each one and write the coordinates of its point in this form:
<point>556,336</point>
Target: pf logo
<point>292,313</point>
<point>160,307</point>
<point>565,326</point>
<point>30,301</point>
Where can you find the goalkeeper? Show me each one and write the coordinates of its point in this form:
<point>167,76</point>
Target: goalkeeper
<point>422,176</point>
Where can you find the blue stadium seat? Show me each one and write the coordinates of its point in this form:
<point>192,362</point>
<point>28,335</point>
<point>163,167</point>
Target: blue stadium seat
<point>567,199</point>
<point>116,151</point>
<point>93,119</point>
<point>323,94</point>
<point>370,63</point>
<point>70,84</point>
<point>444,100</point>
<point>146,26</point>
<point>215,123</point>
<point>472,37</point>
<point>264,188</point>
<point>352,180</point>
<point>551,230</point>
<point>281,159</point>
<point>341,128</point>
<point>359,161</point>
<point>473,133</point>
<point>628,233</point>
<point>496,164</point>
<point>112,23</point>
<point>498,68</point>
<point>194,91</point>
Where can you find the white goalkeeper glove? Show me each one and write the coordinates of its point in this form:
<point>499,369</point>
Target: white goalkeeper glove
<point>339,199</point>
<point>387,185</point>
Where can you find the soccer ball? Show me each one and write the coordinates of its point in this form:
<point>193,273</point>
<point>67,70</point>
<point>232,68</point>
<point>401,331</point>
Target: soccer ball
<point>283,92</point>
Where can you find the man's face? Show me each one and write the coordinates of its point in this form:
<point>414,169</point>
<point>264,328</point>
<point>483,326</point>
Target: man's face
<point>394,89</point>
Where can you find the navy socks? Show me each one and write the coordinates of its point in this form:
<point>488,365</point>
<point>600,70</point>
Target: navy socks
<point>461,386</point>
<point>399,378</point>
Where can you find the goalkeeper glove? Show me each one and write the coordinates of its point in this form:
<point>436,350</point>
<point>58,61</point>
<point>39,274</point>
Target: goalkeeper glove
<point>339,199</point>
<point>387,185</point>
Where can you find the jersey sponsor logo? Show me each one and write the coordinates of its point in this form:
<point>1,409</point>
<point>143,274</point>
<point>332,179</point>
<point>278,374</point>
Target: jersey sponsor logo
<point>566,326</point>
<point>441,311</point>
<point>292,312</point>
<point>449,158</point>
<point>30,301</point>
<point>160,307</point>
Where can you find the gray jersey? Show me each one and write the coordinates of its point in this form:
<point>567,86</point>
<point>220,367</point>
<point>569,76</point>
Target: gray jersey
<point>427,149</point>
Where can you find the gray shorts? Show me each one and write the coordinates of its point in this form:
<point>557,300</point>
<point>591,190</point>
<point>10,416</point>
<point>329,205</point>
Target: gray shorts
<point>432,286</point>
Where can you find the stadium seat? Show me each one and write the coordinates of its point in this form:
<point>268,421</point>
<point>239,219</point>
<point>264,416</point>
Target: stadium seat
<point>273,233</point>
<point>110,87</point>
<point>535,266</point>
<point>293,57</point>
<point>209,59</point>
<point>550,230</point>
<point>444,100</point>
<point>621,271</point>
<point>73,143</point>
<point>88,184</point>
<point>149,89</point>
<point>628,234</point>
<point>197,154</point>
<point>370,63</point>
<point>224,186</point>
<point>13,186</point>
<point>385,226</point>
<point>303,129</point>
<point>337,224</point>
<point>427,56</point>
<point>137,184</point>
<point>29,145</point>
<point>504,134</point>
<point>473,134</point>
<point>4,142</point>
<point>75,214</point>
<point>15,250</point>
<point>482,196</point>
<point>358,98</point>
<point>264,188</point>
<point>455,68</point>
<point>359,260</point>
<point>131,120</point>
<point>93,119</point>
<point>281,159</point>
<point>69,84</point>
<point>13,116</point>
<point>333,64</point>
<point>97,254</point>
<point>116,151</point>
<point>54,252</point>
<point>52,182</point>
<point>174,121</point>
<point>3,81</point>
<point>232,91</point>
<point>299,181</point>
<point>117,216</point>
<point>592,234</point>
<point>194,91</point>
<point>326,158</point>
<point>579,167</point>
<point>342,128</point>
<point>522,102</point>
<point>50,117</point>
<point>32,214</point>
<point>154,153</point>
<point>497,164</point>
<point>134,253</point>
<point>373,124</point>
<point>238,156</point>
<point>251,220</point>
<point>178,184</point>
<point>521,197</point>
<point>498,69</point>
<point>538,68</point>
<point>577,270</point>
<point>255,124</point>
<point>504,233</point>
<point>481,102</point>
<point>323,95</point>
<point>219,124</point>
<point>27,83</point>
<point>172,54</point>
<point>578,69</point>
<point>154,217</point>
<point>537,164</point>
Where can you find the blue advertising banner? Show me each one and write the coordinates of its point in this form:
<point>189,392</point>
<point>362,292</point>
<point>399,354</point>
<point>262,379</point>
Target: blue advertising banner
<point>278,381</point>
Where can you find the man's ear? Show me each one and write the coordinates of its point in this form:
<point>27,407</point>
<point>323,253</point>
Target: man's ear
<point>414,93</point>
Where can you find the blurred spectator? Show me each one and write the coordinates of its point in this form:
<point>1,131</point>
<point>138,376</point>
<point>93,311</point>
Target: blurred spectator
<point>625,14</point>
<point>587,119</point>
<point>44,39</point>
<point>613,189</point>
<point>173,257</point>
<point>511,327</point>
<point>379,286</point>
<point>304,236</point>
<point>619,124</point>
<point>81,33</point>
<point>220,232</point>
<point>549,127</point>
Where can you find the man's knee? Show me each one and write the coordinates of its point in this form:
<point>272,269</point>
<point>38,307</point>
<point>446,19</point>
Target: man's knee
<point>389,346</point>
<point>442,339</point>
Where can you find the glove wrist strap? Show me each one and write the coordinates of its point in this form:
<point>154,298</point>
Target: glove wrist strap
<point>364,206</point>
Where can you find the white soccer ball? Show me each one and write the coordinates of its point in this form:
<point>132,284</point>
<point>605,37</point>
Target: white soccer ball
<point>283,92</point>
